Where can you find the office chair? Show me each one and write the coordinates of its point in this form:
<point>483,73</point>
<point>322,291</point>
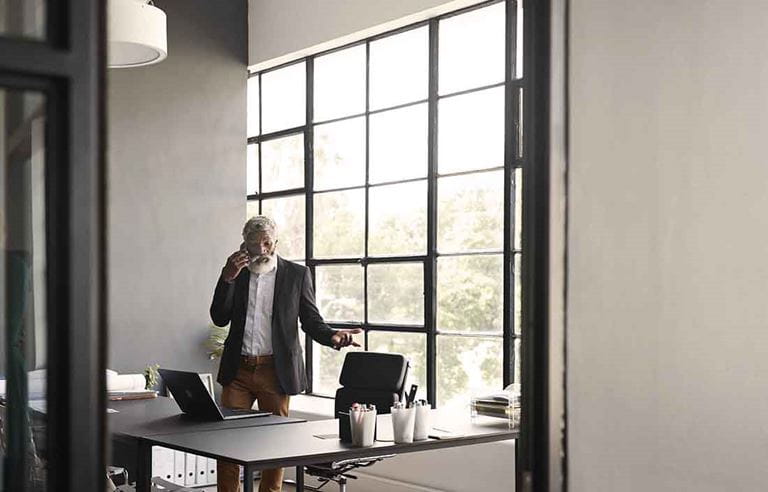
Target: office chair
<point>366,377</point>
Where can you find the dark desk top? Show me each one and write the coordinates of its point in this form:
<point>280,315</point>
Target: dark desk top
<point>297,444</point>
<point>161,416</point>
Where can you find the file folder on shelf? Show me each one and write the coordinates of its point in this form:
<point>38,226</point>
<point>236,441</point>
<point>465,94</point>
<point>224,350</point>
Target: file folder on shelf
<point>190,468</point>
<point>201,470</point>
<point>162,463</point>
<point>211,470</point>
<point>178,467</point>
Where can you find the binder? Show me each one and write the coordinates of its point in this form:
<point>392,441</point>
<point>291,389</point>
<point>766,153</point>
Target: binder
<point>201,470</point>
<point>178,467</point>
<point>190,469</point>
<point>162,463</point>
<point>211,470</point>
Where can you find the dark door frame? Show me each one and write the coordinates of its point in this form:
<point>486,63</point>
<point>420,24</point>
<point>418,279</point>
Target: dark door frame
<point>541,451</point>
<point>69,67</point>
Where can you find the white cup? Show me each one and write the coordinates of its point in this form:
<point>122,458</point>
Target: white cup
<point>362,427</point>
<point>423,422</point>
<point>403,420</point>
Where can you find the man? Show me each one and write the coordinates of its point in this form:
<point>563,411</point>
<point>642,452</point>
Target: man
<point>263,296</point>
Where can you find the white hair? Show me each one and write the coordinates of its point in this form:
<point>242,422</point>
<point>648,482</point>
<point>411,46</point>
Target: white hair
<point>260,223</point>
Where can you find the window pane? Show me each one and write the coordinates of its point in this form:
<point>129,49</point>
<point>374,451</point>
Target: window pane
<point>470,131</point>
<point>520,128</point>
<point>398,144</point>
<point>251,209</point>
<point>326,365</point>
<point>340,154</point>
<point>397,221</point>
<point>340,84</point>
<point>519,42</point>
<point>340,292</point>
<point>289,215</point>
<point>396,293</point>
<point>282,163</point>
<point>283,98</point>
<point>252,170</point>
<point>518,294</point>
<point>470,212</point>
<point>23,19</point>
<point>469,293</point>
<point>413,346</point>
<point>23,288</point>
<point>339,224</point>
<point>472,49</point>
<point>399,68</point>
<point>467,367</point>
<point>253,106</point>
<point>518,226</point>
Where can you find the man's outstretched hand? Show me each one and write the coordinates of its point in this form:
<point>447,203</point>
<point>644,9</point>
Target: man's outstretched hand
<point>343,338</point>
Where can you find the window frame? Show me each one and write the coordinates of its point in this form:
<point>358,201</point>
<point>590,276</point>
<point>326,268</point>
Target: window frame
<point>514,159</point>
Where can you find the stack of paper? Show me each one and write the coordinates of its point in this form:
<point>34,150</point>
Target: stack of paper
<point>127,387</point>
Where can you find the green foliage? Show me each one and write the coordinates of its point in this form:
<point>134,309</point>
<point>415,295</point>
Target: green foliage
<point>152,376</point>
<point>214,344</point>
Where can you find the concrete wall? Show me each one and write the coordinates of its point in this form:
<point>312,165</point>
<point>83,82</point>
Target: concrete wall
<point>281,30</point>
<point>176,185</point>
<point>667,340</point>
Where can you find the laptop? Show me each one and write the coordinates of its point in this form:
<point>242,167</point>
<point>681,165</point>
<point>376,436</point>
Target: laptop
<point>194,399</point>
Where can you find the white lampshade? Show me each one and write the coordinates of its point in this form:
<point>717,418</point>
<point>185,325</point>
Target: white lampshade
<point>136,34</point>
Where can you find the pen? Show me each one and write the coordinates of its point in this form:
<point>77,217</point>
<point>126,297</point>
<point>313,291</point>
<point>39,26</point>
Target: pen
<point>412,393</point>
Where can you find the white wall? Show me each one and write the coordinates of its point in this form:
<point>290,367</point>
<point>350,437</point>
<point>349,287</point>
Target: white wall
<point>668,234</point>
<point>281,30</point>
<point>176,186</point>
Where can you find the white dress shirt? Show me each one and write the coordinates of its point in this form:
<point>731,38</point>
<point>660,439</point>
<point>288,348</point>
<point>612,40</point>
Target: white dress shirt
<point>257,339</point>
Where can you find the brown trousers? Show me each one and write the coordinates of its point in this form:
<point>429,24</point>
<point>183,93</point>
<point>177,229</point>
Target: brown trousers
<point>255,380</point>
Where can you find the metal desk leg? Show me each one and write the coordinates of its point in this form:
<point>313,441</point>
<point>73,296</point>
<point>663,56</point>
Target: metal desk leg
<point>299,479</point>
<point>248,479</point>
<point>144,467</point>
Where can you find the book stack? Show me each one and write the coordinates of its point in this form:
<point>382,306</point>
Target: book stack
<point>127,387</point>
<point>504,404</point>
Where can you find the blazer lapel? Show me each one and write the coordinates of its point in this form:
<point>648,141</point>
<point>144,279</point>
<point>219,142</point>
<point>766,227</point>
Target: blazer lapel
<point>280,281</point>
<point>245,282</point>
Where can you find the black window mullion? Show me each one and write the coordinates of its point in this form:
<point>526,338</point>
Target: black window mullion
<point>430,264</point>
<point>510,146</point>
<point>258,163</point>
<point>367,185</point>
<point>309,173</point>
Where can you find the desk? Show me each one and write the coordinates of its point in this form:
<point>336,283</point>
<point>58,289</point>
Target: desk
<point>292,443</point>
<point>137,421</point>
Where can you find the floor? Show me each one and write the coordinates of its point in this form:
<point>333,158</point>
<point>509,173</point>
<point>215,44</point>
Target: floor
<point>286,487</point>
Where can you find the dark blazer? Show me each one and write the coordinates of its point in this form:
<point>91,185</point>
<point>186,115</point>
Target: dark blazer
<point>294,300</point>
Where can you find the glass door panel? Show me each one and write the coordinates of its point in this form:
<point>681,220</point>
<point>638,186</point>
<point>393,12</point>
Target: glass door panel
<point>23,293</point>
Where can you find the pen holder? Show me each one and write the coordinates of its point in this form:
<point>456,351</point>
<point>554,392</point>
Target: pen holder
<point>363,427</point>
<point>403,420</point>
<point>423,422</point>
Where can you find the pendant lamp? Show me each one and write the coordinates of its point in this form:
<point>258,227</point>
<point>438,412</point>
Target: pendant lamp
<point>136,34</point>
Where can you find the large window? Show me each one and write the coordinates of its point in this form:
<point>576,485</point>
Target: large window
<point>393,168</point>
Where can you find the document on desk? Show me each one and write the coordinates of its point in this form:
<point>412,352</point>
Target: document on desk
<point>436,433</point>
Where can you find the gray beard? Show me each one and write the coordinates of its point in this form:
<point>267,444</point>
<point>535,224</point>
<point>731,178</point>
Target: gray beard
<point>258,267</point>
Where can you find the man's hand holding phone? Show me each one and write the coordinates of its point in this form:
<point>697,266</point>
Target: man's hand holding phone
<point>235,263</point>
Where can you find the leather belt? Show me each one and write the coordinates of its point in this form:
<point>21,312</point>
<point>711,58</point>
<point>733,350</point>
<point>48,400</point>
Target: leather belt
<point>256,360</point>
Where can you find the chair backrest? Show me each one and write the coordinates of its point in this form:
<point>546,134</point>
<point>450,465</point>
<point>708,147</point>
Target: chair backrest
<point>371,377</point>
